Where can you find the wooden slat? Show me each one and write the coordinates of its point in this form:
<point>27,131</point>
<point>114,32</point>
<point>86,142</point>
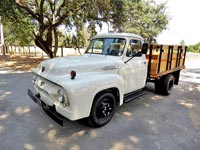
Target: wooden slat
<point>175,47</point>
<point>183,48</point>
<point>158,75</point>
<point>166,47</point>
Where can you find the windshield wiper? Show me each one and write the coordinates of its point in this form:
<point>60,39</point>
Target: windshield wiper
<point>129,59</point>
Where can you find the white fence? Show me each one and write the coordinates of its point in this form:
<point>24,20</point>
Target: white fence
<point>192,56</point>
<point>192,60</point>
<point>37,52</point>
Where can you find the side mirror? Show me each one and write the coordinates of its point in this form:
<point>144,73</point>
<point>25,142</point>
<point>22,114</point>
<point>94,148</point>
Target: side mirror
<point>144,48</point>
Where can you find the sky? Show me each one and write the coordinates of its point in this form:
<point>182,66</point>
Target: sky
<point>184,22</point>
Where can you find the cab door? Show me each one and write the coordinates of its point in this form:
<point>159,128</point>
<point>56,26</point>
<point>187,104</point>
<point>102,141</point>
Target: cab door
<point>135,68</point>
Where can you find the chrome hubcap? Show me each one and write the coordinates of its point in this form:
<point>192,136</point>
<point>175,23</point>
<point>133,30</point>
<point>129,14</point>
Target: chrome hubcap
<point>104,109</point>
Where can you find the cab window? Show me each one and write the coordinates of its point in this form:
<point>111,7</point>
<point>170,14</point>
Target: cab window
<point>107,46</point>
<point>134,48</point>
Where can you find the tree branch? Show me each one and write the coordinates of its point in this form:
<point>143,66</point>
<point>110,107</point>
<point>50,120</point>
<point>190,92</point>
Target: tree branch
<point>52,6</point>
<point>29,11</point>
<point>65,15</point>
<point>41,11</point>
<point>60,8</point>
<point>46,16</point>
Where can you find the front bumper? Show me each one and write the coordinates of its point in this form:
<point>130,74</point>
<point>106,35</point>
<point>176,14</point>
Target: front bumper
<point>50,110</point>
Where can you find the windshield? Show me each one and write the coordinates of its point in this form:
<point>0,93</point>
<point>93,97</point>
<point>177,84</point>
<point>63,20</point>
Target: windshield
<point>107,46</point>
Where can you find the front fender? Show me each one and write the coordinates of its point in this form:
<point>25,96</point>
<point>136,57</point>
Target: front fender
<point>82,90</point>
<point>110,81</point>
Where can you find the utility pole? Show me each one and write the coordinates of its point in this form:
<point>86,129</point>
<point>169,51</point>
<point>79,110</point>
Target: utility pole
<point>2,38</point>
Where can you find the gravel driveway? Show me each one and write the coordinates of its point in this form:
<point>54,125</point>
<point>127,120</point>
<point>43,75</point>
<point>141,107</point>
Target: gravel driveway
<point>151,122</point>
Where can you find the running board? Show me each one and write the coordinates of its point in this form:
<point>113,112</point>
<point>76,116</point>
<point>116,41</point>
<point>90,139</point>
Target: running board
<point>133,95</point>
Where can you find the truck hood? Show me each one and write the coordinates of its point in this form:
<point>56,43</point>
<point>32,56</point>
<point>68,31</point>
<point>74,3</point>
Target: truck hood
<point>81,64</point>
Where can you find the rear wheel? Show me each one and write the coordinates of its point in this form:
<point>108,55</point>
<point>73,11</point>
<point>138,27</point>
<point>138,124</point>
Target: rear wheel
<point>168,85</point>
<point>164,85</point>
<point>103,109</point>
<point>158,86</point>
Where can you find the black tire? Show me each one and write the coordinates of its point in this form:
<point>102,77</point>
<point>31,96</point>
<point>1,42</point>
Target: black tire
<point>168,85</point>
<point>159,86</point>
<point>103,109</point>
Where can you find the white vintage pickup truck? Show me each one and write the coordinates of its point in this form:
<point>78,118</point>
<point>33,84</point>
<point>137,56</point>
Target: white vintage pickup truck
<point>113,70</point>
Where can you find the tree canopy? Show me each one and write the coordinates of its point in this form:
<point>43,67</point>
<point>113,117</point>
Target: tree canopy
<point>41,19</point>
<point>182,43</point>
<point>145,18</point>
<point>17,26</point>
<point>194,48</point>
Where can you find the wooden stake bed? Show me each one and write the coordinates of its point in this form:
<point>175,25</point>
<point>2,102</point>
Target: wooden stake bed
<point>164,59</point>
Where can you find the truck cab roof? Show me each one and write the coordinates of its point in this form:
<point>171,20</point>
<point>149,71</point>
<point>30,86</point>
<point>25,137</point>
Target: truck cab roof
<point>119,35</point>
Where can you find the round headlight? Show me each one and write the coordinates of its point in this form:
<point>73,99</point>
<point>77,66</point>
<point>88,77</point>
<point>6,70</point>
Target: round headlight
<point>61,95</point>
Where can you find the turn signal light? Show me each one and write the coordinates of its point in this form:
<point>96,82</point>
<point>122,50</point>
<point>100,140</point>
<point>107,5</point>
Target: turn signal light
<point>73,74</point>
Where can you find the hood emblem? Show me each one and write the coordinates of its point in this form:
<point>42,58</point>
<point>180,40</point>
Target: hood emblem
<point>43,68</point>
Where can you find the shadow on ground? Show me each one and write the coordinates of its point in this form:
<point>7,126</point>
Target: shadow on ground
<point>151,122</point>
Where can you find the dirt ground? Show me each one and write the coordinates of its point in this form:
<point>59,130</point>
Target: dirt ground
<point>151,122</point>
<point>19,62</point>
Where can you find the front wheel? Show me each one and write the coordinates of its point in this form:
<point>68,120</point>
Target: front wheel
<point>103,109</point>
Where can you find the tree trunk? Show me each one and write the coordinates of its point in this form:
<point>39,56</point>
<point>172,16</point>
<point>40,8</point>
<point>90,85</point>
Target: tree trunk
<point>4,50</point>
<point>108,27</point>
<point>56,42</point>
<point>44,46</point>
